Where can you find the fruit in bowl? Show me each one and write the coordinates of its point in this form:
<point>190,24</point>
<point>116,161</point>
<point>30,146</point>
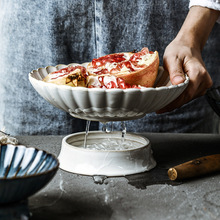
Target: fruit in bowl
<point>139,69</point>
<point>119,70</point>
<point>115,87</point>
<point>71,76</point>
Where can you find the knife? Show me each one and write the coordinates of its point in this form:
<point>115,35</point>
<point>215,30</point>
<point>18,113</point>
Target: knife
<point>194,168</point>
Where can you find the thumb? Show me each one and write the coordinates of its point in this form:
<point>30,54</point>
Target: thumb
<point>175,69</point>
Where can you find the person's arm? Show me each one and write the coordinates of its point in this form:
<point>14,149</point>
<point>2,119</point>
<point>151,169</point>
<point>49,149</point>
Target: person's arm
<point>183,55</point>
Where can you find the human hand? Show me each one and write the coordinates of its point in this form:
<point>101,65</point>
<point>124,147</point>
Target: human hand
<point>181,59</point>
<point>183,55</point>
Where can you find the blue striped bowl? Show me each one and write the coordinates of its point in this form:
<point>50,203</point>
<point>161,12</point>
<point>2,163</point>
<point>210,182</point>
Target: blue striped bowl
<point>24,171</point>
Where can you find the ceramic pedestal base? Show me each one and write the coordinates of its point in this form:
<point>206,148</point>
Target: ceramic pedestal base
<point>75,158</point>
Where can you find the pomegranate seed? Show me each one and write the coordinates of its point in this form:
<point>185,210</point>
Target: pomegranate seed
<point>135,87</point>
<point>111,85</point>
<point>122,85</point>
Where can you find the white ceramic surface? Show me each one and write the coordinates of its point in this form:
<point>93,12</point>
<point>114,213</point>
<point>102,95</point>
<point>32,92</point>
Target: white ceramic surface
<point>92,162</point>
<point>104,105</point>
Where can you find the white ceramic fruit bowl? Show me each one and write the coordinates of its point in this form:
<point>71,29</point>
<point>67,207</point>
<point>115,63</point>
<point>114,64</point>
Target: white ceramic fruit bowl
<point>104,105</point>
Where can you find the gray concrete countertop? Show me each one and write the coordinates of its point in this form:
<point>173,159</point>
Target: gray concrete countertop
<point>144,196</point>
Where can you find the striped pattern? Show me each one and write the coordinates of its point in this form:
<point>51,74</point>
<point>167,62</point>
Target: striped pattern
<point>24,171</point>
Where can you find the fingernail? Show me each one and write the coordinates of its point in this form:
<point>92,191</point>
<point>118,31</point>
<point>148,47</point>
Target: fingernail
<point>178,79</point>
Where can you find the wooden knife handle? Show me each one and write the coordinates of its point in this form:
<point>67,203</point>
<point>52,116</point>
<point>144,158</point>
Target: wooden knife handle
<point>194,168</point>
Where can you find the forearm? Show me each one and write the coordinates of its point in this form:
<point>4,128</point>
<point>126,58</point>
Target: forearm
<point>197,26</point>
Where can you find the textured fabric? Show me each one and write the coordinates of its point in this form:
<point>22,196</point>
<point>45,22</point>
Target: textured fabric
<point>36,34</point>
<point>39,33</point>
<point>213,4</point>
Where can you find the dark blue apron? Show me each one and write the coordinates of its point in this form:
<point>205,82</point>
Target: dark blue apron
<point>39,33</point>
